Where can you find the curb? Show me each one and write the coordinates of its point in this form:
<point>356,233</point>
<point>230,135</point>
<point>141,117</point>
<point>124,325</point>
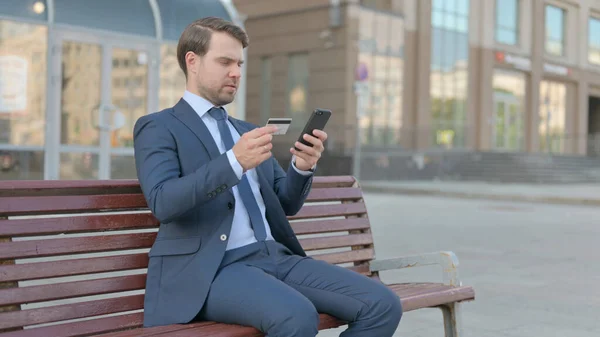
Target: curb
<point>474,195</point>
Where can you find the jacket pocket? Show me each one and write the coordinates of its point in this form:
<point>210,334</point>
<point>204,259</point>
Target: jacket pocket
<point>179,246</point>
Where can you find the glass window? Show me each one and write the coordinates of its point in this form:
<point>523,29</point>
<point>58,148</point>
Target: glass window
<point>594,41</point>
<point>172,79</point>
<point>297,88</point>
<point>29,9</point>
<point>382,57</point>
<point>507,21</point>
<point>113,15</point>
<point>23,71</point>
<point>177,14</point>
<point>555,30</point>
<point>553,106</point>
<point>448,78</point>
<point>265,89</point>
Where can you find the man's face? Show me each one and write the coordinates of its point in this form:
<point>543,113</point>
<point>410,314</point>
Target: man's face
<point>216,75</point>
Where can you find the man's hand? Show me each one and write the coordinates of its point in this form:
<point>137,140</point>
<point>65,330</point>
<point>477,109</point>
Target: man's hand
<point>254,147</point>
<point>308,156</point>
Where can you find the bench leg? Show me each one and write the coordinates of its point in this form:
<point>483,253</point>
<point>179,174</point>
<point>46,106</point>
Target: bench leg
<point>452,320</point>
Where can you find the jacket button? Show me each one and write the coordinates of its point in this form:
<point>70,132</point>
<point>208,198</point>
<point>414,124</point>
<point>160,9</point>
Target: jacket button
<point>223,237</point>
<point>229,205</point>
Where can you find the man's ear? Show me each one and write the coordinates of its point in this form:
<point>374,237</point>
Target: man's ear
<point>191,60</point>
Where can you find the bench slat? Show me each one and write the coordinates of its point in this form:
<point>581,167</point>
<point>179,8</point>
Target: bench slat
<point>64,290</point>
<point>76,224</point>
<point>14,188</point>
<point>75,245</point>
<point>67,204</point>
<point>74,267</point>
<point>85,328</point>
<point>322,211</point>
<point>334,194</point>
<point>329,226</point>
<point>337,241</point>
<point>333,181</point>
<point>430,295</point>
<point>65,312</point>
<point>166,330</point>
<point>348,256</point>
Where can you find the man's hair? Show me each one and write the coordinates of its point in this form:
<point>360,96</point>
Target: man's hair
<point>197,35</point>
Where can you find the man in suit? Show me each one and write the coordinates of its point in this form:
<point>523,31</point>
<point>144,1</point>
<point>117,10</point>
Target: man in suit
<point>225,251</point>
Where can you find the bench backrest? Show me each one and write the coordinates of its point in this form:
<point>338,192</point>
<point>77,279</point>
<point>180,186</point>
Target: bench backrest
<point>71,250</point>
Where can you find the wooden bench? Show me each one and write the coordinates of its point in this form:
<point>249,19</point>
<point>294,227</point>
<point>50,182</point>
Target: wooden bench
<point>73,256</point>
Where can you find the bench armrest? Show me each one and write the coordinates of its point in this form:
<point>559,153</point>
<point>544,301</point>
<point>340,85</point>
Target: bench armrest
<point>446,259</point>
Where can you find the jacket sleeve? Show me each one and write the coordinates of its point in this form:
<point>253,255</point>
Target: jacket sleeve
<point>291,188</point>
<point>170,195</point>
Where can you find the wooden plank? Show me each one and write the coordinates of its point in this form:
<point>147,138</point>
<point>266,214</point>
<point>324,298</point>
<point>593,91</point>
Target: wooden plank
<point>224,330</point>
<point>427,296</point>
<point>165,330</point>
<point>115,186</point>
<point>18,188</point>
<point>330,226</point>
<point>70,311</point>
<point>334,194</point>
<point>347,256</point>
<point>40,270</point>
<point>70,204</point>
<point>64,290</point>
<point>76,224</point>
<point>85,328</point>
<point>321,211</point>
<point>337,241</point>
<point>333,181</point>
<point>75,245</point>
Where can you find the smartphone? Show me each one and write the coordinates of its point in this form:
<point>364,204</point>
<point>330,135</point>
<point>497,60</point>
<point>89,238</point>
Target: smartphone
<point>317,121</point>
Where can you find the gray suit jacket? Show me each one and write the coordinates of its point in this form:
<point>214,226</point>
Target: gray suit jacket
<point>187,184</point>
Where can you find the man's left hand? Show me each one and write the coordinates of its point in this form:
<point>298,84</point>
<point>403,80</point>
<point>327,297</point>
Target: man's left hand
<point>308,156</point>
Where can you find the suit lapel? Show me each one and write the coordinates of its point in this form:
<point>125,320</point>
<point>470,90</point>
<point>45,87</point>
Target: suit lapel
<point>184,112</point>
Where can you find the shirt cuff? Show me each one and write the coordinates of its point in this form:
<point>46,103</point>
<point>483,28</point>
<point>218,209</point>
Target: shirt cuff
<point>235,164</point>
<point>304,173</point>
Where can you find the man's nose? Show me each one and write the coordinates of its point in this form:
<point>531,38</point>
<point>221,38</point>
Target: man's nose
<point>236,72</point>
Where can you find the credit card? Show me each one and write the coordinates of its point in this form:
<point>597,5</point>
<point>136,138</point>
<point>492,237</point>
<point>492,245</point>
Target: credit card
<point>282,124</point>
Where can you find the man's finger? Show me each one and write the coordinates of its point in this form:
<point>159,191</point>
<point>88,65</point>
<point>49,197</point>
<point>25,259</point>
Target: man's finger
<point>265,130</point>
<point>311,151</point>
<point>320,134</point>
<point>314,141</point>
<point>263,140</point>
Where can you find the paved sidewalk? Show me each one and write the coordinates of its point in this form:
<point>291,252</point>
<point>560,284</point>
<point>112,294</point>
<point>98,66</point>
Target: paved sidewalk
<point>571,194</point>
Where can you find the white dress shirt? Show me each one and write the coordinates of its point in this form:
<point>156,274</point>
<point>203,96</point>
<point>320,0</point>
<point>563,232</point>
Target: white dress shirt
<point>241,230</point>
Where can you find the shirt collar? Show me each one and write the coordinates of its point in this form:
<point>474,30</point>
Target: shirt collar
<point>199,104</point>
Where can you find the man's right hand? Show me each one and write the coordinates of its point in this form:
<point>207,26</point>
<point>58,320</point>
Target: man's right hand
<point>254,147</point>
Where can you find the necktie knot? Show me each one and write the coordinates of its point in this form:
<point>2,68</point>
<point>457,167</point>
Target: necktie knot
<point>217,113</point>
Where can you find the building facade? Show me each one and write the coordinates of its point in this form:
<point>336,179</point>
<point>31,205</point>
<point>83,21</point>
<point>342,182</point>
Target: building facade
<point>76,75</point>
<point>488,75</point>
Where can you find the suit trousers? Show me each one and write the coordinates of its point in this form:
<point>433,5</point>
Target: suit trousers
<point>266,286</point>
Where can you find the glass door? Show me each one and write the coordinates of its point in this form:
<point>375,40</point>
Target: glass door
<point>102,87</point>
<point>507,122</point>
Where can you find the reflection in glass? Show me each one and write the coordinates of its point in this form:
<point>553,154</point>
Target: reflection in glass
<point>507,21</point>
<point>555,30</point>
<point>509,101</point>
<point>129,94</point>
<point>297,88</point>
<point>80,98</point>
<point>265,89</point>
<point>22,83</point>
<point>21,165</point>
<point>172,79</point>
<point>75,166</point>
<point>382,54</point>
<point>594,41</point>
<point>122,167</point>
<point>448,82</point>
<point>553,106</point>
